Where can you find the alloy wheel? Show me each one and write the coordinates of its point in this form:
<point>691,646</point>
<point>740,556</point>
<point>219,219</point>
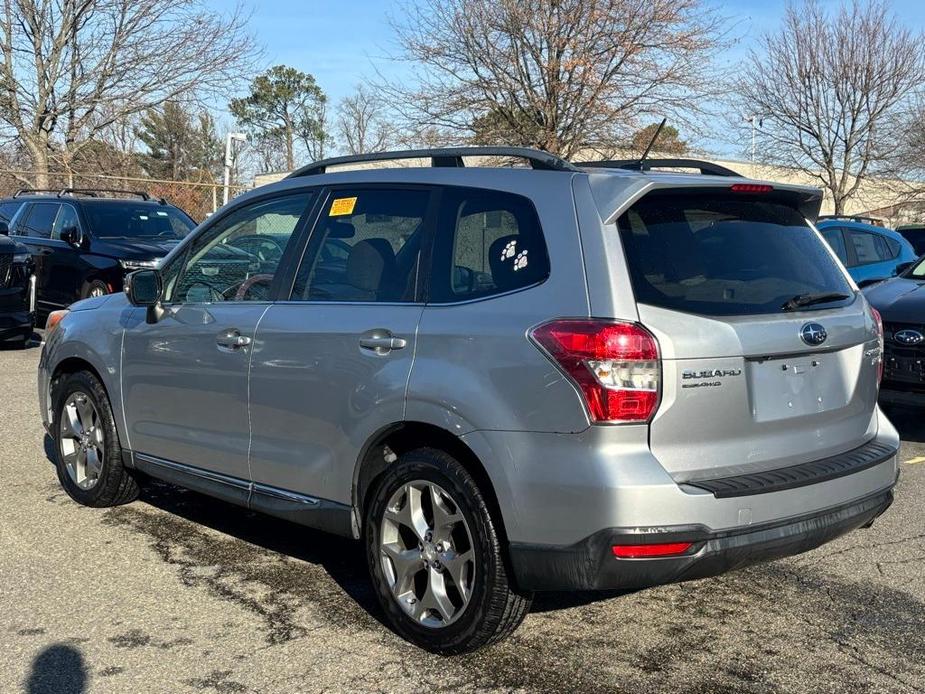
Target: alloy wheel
<point>426,553</point>
<point>82,440</point>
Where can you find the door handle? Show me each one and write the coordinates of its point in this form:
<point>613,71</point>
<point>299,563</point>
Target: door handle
<point>381,341</point>
<point>231,340</point>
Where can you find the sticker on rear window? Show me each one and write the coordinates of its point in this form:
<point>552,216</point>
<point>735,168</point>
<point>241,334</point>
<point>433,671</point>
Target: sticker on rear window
<point>342,206</point>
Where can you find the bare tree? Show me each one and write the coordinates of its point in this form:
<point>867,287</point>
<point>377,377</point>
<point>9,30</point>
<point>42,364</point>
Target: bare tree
<point>562,75</point>
<point>69,69</point>
<point>362,124</point>
<point>828,89</point>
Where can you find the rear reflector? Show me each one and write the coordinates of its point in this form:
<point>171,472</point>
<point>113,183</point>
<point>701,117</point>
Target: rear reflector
<point>751,188</point>
<point>615,365</point>
<point>668,549</point>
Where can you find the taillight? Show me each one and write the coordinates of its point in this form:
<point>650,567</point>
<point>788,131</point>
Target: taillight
<point>665,549</point>
<point>615,365</point>
<point>878,322</point>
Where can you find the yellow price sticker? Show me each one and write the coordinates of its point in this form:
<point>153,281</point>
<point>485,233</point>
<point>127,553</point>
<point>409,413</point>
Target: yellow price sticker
<point>342,206</point>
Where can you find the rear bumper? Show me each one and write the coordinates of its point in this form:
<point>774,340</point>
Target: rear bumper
<point>591,565</point>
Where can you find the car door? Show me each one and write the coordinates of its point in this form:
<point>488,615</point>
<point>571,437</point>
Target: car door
<point>34,227</point>
<point>184,378</point>
<point>331,364</point>
<point>66,268</point>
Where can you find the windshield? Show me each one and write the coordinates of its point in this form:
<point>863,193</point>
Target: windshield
<point>917,271</point>
<point>722,254</point>
<point>136,220</point>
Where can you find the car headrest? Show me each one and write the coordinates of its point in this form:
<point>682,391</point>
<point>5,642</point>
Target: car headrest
<point>510,262</point>
<point>371,264</point>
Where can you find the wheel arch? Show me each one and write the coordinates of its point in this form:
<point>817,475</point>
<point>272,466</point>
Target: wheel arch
<point>400,437</point>
<point>71,365</point>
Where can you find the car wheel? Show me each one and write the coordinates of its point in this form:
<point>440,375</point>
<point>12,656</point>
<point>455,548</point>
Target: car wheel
<point>95,288</point>
<point>89,455</point>
<point>435,557</point>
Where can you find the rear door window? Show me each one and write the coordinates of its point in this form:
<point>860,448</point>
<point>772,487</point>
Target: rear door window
<point>40,220</point>
<point>868,248</point>
<point>488,242</point>
<point>714,254</point>
<point>836,240</point>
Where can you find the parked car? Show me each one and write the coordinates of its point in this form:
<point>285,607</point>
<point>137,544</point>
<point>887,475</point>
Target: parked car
<point>914,234</point>
<point>901,302</point>
<point>17,291</point>
<point>871,253</point>
<point>83,243</point>
<point>518,379</point>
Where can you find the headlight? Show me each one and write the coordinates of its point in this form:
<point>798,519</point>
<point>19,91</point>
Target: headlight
<point>139,264</point>
<point>53,319</point>
<point>21,257</point>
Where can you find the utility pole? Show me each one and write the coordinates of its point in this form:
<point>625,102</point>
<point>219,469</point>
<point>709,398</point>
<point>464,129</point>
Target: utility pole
<point>229,160</point>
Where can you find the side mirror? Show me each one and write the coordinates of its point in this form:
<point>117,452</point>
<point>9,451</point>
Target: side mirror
<point>71,235</point>
<point>871,281</point>
<point>4,228</point>
<point>144,288</point>
<point>902,267</point>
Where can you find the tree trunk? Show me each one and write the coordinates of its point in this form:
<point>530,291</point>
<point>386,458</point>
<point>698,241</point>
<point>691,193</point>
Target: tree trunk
<point>38,153</point>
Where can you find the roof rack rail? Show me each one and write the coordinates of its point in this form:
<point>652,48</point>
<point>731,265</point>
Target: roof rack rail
<point>90,193</point>
<point>95,192</point>
<point>442,157</point>
<point>852,218</point>
<point>37,191</point>
<point>706,168</point>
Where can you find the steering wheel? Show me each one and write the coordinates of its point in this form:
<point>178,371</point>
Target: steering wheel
<point>250,283</point>
<point>265,247</point>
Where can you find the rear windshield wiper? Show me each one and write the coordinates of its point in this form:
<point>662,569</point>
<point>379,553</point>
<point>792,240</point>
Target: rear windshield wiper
<point>801,300</point>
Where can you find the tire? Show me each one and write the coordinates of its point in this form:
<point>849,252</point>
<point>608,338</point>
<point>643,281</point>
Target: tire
<point>101,480</point>
<point>487,607</point>
<point>94,288</point>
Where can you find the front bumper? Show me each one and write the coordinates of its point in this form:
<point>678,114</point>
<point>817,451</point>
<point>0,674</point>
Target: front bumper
<point>591,565</point>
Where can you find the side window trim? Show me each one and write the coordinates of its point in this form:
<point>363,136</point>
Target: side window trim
<point>214,228</point>
<point>308,243</point>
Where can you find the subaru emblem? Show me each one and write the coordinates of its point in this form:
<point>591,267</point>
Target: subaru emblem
<point>908,337</point>
<point>813,334</point>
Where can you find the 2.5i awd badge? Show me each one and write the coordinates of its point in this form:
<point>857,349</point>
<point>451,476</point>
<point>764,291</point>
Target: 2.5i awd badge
<point>707,378</point>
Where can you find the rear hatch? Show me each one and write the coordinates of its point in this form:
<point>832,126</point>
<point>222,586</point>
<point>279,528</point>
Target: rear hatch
<point>769,355</point>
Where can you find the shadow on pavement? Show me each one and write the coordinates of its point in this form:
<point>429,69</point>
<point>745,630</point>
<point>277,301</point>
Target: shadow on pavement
<point>342,559</point>
<point>58,669</point>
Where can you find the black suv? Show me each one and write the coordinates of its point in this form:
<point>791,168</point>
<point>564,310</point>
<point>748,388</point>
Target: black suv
<point>17,292</point>
<point>84,242</point>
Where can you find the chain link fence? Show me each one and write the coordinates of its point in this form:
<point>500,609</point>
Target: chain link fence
<point>198,199</point>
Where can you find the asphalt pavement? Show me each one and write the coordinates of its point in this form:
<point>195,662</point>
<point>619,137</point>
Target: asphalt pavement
<point>180,593</point>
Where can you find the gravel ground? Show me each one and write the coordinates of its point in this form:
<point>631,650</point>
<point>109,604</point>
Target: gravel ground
<point>180,593</point>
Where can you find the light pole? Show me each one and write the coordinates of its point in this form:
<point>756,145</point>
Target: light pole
<point>229,160</point>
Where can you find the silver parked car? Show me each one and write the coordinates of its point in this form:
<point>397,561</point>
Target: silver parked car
<point>503,379</point>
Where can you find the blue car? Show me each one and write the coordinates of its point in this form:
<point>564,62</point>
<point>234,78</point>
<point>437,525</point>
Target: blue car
<point>871,253</point>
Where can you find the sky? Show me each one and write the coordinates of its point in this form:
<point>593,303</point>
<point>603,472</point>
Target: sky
<point>344,42</point>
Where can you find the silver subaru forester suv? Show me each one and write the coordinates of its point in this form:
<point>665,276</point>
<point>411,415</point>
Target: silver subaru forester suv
<point>503,379</point>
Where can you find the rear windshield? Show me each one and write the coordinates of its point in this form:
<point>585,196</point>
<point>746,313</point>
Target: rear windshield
<point>133,220</point>
<point>719,255</point>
